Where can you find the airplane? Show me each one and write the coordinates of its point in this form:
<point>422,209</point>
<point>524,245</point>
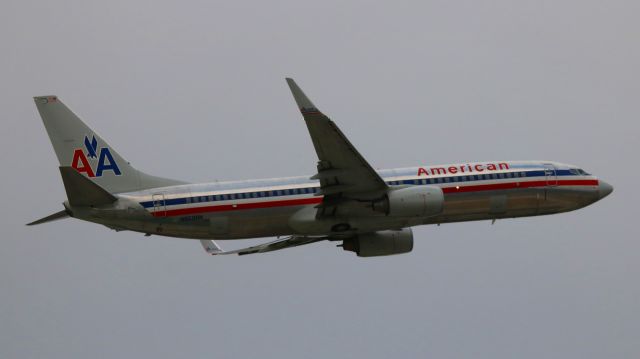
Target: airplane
<point>369,212</point>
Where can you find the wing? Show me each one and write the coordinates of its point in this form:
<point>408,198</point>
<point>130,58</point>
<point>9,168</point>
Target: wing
<point>213,248</point>
<point>342,171</point>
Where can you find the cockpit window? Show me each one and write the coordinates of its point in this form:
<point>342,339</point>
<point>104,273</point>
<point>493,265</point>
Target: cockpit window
<point>583,172</point>
<point>574,171</point>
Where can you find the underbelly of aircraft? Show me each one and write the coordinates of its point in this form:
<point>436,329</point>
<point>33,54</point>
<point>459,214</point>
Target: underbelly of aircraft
<point>458,207</point>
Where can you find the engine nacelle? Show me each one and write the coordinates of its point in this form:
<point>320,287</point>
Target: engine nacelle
<point>417,201</point>
<point>381,243</point>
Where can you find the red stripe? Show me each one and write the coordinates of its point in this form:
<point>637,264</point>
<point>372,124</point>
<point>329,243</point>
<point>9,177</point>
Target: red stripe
<point>316,200</point>
<point>237,207</point>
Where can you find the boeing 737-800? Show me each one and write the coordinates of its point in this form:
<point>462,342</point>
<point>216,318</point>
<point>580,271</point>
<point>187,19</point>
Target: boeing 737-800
<point>370,212</point>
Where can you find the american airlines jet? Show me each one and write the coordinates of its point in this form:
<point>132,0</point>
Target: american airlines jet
<point>369,212</point>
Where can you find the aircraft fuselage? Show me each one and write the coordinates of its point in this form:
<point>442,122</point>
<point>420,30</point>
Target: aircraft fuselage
<point>287,206</point>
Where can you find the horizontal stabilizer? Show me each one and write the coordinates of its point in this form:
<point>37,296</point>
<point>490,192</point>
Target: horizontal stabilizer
<point>53,217</point>
<point>81,191</point>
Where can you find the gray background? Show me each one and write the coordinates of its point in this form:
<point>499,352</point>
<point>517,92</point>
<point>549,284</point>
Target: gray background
<point>195,90</point>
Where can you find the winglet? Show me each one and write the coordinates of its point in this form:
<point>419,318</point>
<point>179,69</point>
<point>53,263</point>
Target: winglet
<point>304,104</point>
<point>211,247</point>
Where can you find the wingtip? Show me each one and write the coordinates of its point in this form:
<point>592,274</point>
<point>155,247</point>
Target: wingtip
<point>303,102</point>
<point>45,99</point>
<point>211,247</point>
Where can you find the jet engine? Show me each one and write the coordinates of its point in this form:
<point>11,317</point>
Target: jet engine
<point>381,243</point>
<point>418,201</point>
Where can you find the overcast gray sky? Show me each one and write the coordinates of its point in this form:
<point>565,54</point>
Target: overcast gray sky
<point>195,90</point>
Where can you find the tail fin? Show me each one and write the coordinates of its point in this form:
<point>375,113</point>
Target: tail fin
<point>79,147</point>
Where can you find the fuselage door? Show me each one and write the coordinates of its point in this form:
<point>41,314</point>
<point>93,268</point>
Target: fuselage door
<point>550,175</point>
<point>159,205</point>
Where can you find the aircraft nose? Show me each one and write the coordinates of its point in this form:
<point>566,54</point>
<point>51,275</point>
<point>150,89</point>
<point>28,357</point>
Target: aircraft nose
<point>604,189</point>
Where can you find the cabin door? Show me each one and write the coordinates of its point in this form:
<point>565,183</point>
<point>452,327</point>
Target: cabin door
<point>550,175</point>
<point>159,205</point>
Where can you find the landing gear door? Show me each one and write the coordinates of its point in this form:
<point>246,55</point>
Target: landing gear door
<point>550,175</point>
<point>159,205</point>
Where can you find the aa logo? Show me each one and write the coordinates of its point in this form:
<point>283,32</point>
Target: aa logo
<point>82,161</point>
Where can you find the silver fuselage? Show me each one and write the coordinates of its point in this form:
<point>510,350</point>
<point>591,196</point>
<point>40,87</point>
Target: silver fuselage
<point>284,206</point>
